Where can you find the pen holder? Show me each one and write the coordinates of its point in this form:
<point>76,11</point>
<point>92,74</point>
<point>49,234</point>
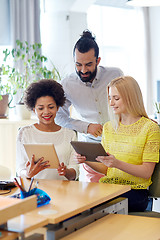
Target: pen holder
<point>42,197</point>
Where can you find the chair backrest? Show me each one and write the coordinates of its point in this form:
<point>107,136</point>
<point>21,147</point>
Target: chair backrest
<point>5,173</point>
<point>154,189</point>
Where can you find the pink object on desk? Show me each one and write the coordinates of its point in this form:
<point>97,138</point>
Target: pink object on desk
<point>91,175</point>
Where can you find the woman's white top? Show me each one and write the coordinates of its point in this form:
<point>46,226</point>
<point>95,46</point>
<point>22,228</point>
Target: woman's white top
<point>61,140</point>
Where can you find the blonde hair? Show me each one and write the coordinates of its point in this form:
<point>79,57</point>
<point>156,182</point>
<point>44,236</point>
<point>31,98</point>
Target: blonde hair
<point>131,95</point>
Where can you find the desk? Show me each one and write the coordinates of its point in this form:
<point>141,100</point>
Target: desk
<point>74,204</point>
<point>119,227</point>
<point>4,235</point>
<point>11,207</point>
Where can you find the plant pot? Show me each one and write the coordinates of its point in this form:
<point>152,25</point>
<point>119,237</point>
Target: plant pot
<point>3,106</point>
<point>22,112</point>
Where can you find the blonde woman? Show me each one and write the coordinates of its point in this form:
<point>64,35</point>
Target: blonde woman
<point>131,140</point>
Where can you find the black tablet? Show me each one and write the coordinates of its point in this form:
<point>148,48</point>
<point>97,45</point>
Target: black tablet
<point>90,150</point>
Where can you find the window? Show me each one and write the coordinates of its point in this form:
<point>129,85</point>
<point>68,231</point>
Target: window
<point>5,36</point>
<point>120,36</point>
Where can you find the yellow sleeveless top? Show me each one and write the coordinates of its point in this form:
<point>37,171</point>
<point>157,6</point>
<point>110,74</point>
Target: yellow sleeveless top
<point>135,144</point>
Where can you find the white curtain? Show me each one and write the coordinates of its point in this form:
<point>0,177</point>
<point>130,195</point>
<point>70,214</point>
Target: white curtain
<point>25,25</point>
<point>4,23</point>
<point>25,21</point>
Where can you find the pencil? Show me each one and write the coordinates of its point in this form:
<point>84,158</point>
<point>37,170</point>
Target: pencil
<point>22,183</point>
<point>19,186</point>
<point>31,184</point>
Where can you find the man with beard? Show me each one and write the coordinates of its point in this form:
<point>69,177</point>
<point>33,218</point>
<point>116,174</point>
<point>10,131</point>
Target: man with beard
<point>86,90</point>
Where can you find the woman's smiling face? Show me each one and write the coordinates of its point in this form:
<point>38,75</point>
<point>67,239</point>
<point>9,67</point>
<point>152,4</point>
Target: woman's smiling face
<point>46,109</point>
<point>116,101</point>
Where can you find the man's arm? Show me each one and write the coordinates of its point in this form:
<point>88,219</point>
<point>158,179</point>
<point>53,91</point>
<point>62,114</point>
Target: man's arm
<point>64,119</point>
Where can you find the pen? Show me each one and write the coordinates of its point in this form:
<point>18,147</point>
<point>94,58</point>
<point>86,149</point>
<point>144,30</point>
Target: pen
<point>31,184</point>
<point>19,186</point>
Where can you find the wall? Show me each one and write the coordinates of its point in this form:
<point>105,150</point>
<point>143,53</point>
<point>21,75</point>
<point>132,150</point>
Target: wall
<point>154,14</point>
<point>61,30</point>
<point>64,26</point>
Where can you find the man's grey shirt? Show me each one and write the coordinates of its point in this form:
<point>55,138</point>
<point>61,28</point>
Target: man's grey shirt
<point>89,99</point>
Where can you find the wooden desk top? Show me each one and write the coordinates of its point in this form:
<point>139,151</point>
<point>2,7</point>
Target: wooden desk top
<point>11,207</point>
<point>4,235</point>
<point>17,210</point>
<point>119,227</point>
<point>69,198</point>
<point>26,223</point>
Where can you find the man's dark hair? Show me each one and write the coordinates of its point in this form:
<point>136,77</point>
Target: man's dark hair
<point>86,43</point>
<point>43,88</point>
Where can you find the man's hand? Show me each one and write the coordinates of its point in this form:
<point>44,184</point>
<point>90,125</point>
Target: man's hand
<point>95,129</point>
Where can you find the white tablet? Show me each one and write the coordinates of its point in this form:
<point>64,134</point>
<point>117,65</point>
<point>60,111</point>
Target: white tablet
<point>46,150</point>
<point>90,150</point>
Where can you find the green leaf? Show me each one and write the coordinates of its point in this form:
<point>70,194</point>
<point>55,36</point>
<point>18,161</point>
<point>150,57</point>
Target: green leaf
<point>35,54</point>
<point>31,70</point>
<point>21,45</point>
<point>39,45</point>
<point>18,42</point>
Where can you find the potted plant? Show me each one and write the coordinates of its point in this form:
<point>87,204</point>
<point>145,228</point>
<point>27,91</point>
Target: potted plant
<point>157,106</point>
<point>28,66</point>
<point>5,90</point>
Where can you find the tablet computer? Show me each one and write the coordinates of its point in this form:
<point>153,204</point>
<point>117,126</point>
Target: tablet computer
<point>46,150</point>
<point>90,150</point>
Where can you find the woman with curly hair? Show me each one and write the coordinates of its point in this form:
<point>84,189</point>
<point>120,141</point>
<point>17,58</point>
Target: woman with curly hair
<point>44,98</point>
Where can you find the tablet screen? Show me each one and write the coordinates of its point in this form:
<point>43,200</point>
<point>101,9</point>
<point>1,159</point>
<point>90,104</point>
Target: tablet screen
<point>90,150</point>
<point>46,150</point>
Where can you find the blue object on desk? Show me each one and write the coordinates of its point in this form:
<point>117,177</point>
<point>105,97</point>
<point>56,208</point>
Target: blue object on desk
<point>42,197</point>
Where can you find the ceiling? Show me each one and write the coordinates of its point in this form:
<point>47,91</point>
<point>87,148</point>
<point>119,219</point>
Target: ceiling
<point>112,3</point>
<point>80,5</point>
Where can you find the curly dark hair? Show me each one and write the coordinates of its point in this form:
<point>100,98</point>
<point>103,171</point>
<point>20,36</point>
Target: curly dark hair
<point>42,88</point>
<point>85,43</point>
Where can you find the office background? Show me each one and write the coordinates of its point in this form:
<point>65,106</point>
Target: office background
<point>129,37</point>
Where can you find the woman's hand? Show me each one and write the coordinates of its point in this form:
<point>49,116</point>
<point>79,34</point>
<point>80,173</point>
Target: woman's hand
<point>69,173</point>
<point>62,169</point>
<point>79,158</point>
<point>33,168</point>
<point>144,170</point>
<point>109,161</point>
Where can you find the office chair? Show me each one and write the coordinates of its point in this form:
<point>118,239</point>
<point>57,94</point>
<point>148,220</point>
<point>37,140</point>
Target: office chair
<point>5,173</point>
<point>154,193</point>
